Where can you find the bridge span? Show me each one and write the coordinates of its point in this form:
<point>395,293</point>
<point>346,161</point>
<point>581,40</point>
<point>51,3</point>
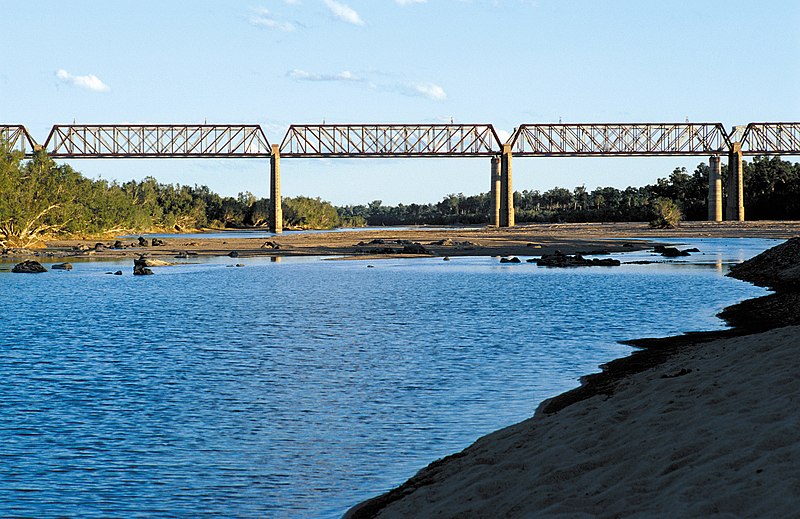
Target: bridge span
<point>431,140</point>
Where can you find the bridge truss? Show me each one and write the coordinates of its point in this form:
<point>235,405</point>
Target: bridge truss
<point>157,141</point>
<point>635,139</point>
<point>392,140</point>
<point>771,139</point>
<point>18,138</point>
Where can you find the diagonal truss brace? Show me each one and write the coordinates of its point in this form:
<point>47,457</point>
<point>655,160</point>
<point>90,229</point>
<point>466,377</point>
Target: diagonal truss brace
<point>771,139</point>
<point>391,140</point>
<point>157,141</point>
<point>18,138</point>
<point>619,139</point>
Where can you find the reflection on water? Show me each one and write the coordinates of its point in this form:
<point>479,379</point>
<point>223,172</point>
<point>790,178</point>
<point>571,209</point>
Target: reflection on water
<point>302,387</point>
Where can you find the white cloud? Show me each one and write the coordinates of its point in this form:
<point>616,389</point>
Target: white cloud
<point>263,18</point>
<point>302,75</point>
<point>344,12</point>
<point>428,90</point>
<point>503,135</point>
<point>409,2</point>
<point>90,82</point>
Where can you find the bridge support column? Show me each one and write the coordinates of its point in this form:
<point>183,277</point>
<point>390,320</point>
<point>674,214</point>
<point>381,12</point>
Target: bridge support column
<point>506,189</point>
<point>735,207</point>
<point>494,193</point>
<point>714,189</point>
<point>275,208</point>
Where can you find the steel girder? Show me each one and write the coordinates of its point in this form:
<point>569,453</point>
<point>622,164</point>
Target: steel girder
<point>771,139</point>
<point>615,139</point>
<point>391,140</point>
<point>157,141</point>
<point>18,138</point>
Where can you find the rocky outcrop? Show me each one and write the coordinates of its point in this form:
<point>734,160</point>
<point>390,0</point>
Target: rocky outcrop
<point>155,242</point>
<point>142,242</point>
<point>513,259</point>
<point>62,266</point>
<point>28,267</point>
<point>778,267</point>
<point>672,252</point>
<point>559,259</point>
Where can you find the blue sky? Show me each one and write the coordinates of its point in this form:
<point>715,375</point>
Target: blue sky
<point>505,62</point>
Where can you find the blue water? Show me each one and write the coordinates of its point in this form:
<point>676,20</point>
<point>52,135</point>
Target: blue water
<point>299,388</point>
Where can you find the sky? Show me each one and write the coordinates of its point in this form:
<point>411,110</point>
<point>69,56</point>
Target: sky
<point>502,62</point>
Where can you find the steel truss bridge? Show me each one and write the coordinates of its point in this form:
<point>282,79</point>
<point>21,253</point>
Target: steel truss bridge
<point>429,140</point>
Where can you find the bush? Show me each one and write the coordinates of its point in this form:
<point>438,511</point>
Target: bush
<point>666,214</point>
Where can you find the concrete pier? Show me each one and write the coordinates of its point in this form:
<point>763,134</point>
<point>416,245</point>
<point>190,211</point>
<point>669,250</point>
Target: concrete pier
<point>506,189</point>
<point>714,189</point>
<point>735,207</point>
<point>494,193</point>
<point>275,208</point>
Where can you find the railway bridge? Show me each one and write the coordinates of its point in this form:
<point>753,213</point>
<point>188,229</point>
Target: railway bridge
<point>431,140</point>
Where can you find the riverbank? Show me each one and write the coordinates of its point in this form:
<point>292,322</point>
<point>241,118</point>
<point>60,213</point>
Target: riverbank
<point>690,426</point>
<point>523,240</point>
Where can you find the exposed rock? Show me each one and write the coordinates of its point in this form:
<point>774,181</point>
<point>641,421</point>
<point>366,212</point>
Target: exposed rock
<point>672,252</point>
<point>534,245</point>
<point>28,267</point>
<point>275,245</point>
<point>513,259</point>
<point>377,241</point>
<point>142,242</point>
<point>778,267</point>
<point>99,247</point>
<point>559,259</point>
<point>233,254</point>
<point>140,267</point>
<point>61,266</point>
<point>447,242</point>
<point>155,242</point>
<point>182,255</point>
<point>446,258</point>
<point>693,249</point>
<point>151,262</point>
<point>119,245</point>
<point>83,248</point>
<point>240,264</point>
<point>415,248</point>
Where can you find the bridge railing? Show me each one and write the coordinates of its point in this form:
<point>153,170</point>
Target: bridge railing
<point>157,141</point>
<point>390,140</point>
<point>18,138</point>
<point>619,139</point>
<point>771,139</point>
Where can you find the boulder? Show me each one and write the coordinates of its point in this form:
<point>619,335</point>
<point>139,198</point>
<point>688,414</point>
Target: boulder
<point>233,254</point>
<point>99,247</point>
<point>672,252</point>
<point>119,245</point>
<point>150,262</point>
<point>559,259</point>
<point>513,259</point>
<point>155,242</point>
<point>275,245</point>
<point>142,242</point>
<point>447,242</point>
<point>28,267</point>
<point>140,267</point>
<point>61,266</point>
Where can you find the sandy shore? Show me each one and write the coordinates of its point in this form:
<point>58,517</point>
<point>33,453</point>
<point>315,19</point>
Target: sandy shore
<point>523,240</point>
<point>702,425</point>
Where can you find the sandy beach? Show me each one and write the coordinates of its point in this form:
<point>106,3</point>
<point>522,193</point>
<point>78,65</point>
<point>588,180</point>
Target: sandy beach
<point>702,425</point>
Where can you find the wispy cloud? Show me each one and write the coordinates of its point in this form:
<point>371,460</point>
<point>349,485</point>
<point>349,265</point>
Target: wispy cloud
<point>427,90</point>
<point>90,82</point>
<point>303,75</point>
<point>263,18</point>
<point>409,2</point>
<point>344,12</point>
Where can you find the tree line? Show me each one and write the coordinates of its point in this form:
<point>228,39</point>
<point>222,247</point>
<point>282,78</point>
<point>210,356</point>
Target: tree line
<point>39,198</point>
<point>771,186</point>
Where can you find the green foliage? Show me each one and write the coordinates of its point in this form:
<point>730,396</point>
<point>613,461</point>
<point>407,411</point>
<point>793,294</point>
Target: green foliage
<point>666,214</point>
<point>309,213</point>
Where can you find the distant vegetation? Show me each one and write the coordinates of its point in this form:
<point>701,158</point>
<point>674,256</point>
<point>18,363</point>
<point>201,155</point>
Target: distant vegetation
<point>40,198</point>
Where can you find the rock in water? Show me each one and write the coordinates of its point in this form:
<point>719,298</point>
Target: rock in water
<point>140,267</point>
<point>28,267</point>
<point>62,266</point>
<point>142,242</point>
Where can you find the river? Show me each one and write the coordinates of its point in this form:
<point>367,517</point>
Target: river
<point>298,388</point>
